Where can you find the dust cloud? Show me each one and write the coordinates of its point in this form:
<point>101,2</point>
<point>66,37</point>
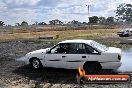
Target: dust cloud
<point>126,61</point>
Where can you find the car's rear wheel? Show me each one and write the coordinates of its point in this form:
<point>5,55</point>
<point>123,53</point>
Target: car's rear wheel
<point>120,35</point>
<point>36,63</point>
<point>92,68</point>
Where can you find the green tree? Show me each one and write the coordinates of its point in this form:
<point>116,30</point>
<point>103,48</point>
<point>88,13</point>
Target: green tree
<point>51,23</point>
<point>35,23</point>
<point>24,23</point>
<point>74,22</point>
<point>17,24</point>
<point>124,13</point>
<point>102,20</point>
<point>93,19</point>
<point>110,20</point>
<point>42,23</point>
<point>56,22</point>
<point>2,23</point>
<point>85,23</point>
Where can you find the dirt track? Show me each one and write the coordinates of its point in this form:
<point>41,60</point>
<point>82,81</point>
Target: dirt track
<point>15,74</point>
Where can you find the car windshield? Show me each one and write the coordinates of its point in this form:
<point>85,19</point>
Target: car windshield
<point>99,46</point>
<point>126,29</point>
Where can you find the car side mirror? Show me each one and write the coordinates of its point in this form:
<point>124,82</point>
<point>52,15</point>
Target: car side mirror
<point>48,51</point>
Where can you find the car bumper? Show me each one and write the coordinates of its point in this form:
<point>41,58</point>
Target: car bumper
<point>111,65</point>
<point>23,59</point>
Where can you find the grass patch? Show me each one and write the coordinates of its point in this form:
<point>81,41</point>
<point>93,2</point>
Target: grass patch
<point>104,36</point>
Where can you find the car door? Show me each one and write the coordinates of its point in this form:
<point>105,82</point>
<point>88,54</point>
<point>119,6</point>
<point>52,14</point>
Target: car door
<point>94,54</point>
<point>79,53</point>
<point>56,57</point>
<point>77,56</point>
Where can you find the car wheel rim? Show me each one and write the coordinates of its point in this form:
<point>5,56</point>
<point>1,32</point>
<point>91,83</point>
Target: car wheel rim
<point>35,63</point>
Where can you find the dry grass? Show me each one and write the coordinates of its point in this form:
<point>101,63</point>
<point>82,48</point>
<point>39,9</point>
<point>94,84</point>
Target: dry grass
<point>108,37</point>
<point>61,35</point>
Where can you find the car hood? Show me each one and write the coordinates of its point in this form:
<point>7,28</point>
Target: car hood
<point>39,51</point>
<point>114,50</point>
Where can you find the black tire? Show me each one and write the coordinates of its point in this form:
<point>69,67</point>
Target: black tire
<point>35,63</point>
<point>120,35</point>
<point>81,80</point>
<point>92,68</point>
<point>127,35</point>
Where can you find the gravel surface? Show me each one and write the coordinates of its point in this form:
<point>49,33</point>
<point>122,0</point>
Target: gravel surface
<point>15,74</point>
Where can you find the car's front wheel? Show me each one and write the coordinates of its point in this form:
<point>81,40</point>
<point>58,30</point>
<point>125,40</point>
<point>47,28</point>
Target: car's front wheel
<point>36,63</point>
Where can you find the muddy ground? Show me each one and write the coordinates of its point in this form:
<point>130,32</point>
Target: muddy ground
<point>15,74</point>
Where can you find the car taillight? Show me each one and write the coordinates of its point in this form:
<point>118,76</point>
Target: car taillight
<point>119,57</point>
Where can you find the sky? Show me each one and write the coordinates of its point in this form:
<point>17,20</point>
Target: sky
<point>16,11</point>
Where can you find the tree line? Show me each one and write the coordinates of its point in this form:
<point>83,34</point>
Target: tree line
<point>123,15</point>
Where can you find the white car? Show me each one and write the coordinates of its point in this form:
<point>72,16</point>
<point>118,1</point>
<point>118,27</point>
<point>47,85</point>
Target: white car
<point>125,32</point>
<point>72,54</point>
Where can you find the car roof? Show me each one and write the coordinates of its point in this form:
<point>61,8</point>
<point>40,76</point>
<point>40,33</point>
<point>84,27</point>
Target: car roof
<point>78,41</point>
<point>127,29</point>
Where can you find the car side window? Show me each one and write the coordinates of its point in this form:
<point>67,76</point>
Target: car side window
<point>55,49</point>
<point>90,50</point>
<point>60,49</point>
<point>73,48</point>
<point>77,48</point>
<point>127,31</point>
